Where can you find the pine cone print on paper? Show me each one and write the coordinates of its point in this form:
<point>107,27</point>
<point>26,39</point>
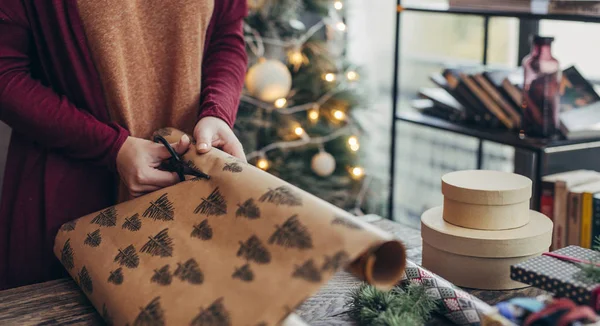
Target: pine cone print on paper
<point>336,262</point>
<point>292,234</point>
<point>69,226</point>
<point>93,239</point>
<point>202,231</point>
<point>116,276</point>
<point>85,281</point>
<point>106,316</point>
<point>233,167</point>
<point>244,273</point>
<point>159,245</point>
<point>346,222</point>
<point>253,250</point>
<point>281,196</point>
<point>107,217</point>
<point>66,255</point>
<point>162,276</point>
<point>161,209</point>
<point>215,315</point>
<point>151,315</point>
<point>248,210</point>
<point>132,223</point>
<point>213,205</point>
<point>308,272</point>
<point>128,257</point>
<point>189,272</point>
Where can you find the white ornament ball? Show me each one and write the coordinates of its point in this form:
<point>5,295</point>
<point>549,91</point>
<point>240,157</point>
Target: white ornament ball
<point>323,164</point>
<point>269,80</point>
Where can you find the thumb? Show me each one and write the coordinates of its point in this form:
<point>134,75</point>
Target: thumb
<point>204,140</point>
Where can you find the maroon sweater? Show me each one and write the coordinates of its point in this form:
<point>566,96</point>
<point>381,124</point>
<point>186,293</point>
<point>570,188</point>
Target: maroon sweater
<point>61,160</point>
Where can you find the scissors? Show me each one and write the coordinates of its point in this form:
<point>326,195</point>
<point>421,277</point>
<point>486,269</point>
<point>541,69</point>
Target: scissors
<point>176,164</point>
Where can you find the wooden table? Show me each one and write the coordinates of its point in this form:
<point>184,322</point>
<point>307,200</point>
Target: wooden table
<point>61,301</point>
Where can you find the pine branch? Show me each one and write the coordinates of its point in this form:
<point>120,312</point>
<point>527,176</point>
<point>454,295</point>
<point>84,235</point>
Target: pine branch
<point>281,196</point>
<point>244,273</point>
<point>308,272</point>
<point>69,226</point>
<point>233,167</point>
<point>107,217</point>
<point>85,281</point>
<point>106,316</point>
<point>132,223</point>
<point>116,276</point>
<point>248,209</point>
<point>162,276</point>
<point>213,205</point>
<point>215,315</point>
<point>66,255</point>
<point>202,231</point>
<point>334,263</point>
<point>190,272</point>
<point>159,245</point>
<point>128,257</point>
<point>161,209</point>
<point>292,234</point>
<point>338,220</point>
<point>151,315</point>
<point>93,239</point>
<point>253,250</point>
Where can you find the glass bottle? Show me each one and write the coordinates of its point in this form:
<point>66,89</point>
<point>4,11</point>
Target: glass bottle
<point>541,97</point>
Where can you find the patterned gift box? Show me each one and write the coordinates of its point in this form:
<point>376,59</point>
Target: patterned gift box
<point>561,277</point>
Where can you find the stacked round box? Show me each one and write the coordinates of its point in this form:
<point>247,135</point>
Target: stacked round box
<point>483,228</point>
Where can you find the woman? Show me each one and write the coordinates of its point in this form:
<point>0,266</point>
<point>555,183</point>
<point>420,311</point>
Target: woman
<point>83,84</point>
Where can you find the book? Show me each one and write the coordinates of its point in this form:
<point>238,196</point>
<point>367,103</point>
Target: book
<point>443,100</point>
<point>497,97</point>
<point>574,214</point>
<point>471,102</point>
<point>509,83</point>
<point>487,101</point>
<point>581,123</point>
<point>575,90</point>
<point>595,216</point>
<point>427,107</point>
<point>565,7</point>
<point>562,183</point>
<point>587,202</point>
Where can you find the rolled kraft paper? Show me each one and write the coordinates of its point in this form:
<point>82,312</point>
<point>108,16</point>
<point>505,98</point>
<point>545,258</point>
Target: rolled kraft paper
<point>484,217</point>
<point>483,187</point>
<point>530,239</point>
<point>473,272</point>
<point>242,248</point>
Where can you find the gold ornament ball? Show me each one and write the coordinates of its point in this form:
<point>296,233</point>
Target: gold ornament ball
<point>269,80</point>
<point>323,164</point>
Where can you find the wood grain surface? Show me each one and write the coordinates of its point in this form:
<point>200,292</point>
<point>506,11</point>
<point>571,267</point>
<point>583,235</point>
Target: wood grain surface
<point>60,302</point>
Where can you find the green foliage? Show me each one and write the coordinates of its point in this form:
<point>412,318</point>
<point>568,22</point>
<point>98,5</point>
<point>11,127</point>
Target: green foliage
<point>590,273</point>
<point>400,306</point>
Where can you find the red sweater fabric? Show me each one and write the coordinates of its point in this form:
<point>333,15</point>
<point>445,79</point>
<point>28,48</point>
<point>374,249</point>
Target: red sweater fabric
<point>61,159</point>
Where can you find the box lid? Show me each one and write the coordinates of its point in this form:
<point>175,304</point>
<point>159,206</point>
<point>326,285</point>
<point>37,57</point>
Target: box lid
<point>532,238</point>
<point>485,187</point>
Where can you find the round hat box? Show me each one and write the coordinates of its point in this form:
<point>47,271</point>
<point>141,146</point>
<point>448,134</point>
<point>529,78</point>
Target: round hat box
<point>481,259</point>
<point>486,200</point>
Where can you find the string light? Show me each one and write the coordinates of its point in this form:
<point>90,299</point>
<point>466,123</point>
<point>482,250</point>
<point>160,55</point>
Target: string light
<point>338,5</point>
<point>339,115</point>
<point>313,114</point>
<point>353,142</point>
<point>340,26</point>
<point>299,131</point>
<point>296,58</point>
<point>262,163</point>
<point>357,172</point>
<point>330,77</point>
<point>280,103</point>
<point>352,75</point>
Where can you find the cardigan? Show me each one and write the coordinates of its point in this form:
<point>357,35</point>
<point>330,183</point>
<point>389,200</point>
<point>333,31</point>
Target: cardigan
<point>61,162</point>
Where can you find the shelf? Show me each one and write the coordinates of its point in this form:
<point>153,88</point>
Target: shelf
<point>444,8</point>
<point>500,136</point>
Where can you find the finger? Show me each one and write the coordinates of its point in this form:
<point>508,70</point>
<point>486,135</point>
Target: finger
<point>161,179</point>
<point>204,140</point>
<point>234,147</point>
<point>179,147</point>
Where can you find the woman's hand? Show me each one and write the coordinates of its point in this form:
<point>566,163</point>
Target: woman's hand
<point>211,131</point>
<point>138,161</point>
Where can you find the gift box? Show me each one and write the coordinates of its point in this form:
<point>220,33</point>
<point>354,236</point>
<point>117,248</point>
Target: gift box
<point>560,272</point>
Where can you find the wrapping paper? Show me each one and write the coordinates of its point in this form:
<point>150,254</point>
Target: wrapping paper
<point>242,248</point>
<point>457,305</point>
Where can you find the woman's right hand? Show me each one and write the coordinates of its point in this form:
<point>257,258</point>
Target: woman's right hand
<point>138,161</point>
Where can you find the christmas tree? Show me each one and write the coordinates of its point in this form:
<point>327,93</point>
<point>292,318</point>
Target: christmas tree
<point>296,116</point>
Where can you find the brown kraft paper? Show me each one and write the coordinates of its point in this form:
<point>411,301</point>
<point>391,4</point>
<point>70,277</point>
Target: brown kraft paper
<point>242,248</point>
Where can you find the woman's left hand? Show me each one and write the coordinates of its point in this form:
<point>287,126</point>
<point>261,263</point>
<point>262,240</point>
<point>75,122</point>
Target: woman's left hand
<point>214,132</point>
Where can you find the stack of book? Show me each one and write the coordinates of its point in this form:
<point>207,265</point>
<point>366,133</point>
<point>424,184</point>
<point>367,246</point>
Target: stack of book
<point>558,7</point>
<point>493,97</point>
<point>572,201</point>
